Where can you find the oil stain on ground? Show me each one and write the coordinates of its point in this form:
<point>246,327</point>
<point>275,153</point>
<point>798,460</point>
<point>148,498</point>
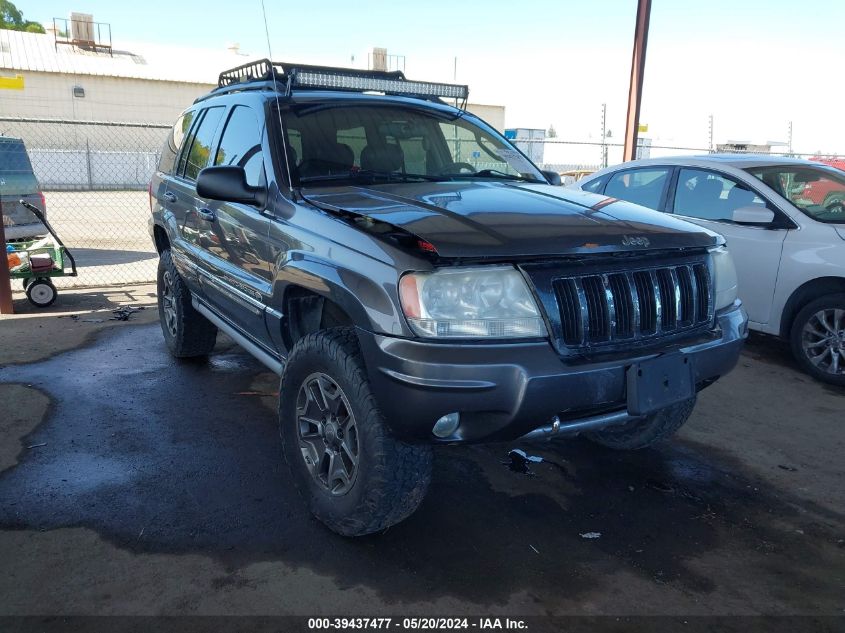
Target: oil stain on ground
<point>160,456</point>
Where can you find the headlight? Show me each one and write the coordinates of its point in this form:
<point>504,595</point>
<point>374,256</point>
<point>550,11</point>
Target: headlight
<point>485,302</point>
<point>725,273</point>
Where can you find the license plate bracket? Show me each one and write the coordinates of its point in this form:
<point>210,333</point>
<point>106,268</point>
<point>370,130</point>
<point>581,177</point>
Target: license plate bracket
<point>659,382</point>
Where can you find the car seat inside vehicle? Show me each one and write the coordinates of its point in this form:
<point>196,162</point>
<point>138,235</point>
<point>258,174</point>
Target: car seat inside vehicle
<point>326,159</point>
<point>385,157</point>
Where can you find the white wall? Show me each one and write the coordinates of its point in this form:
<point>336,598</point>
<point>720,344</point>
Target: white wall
<point>50,96</point>
<point>492,114</point>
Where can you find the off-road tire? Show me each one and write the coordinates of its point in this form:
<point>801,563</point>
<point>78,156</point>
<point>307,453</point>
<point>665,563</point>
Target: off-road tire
<point>193,334</point>
<point>392,476</point>
<point>646,431</point>
<point>832,301</point>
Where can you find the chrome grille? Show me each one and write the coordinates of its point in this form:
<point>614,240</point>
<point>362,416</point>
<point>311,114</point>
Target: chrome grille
<point>609,307</point>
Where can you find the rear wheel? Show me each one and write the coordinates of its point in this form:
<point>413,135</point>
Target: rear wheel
<point>818,338</point>
<point>41,292</point>
<point>352,473</point>
<point>186,332</point>
<point>646,431</point>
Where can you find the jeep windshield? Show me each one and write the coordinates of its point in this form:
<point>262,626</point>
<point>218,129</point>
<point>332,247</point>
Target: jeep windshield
<point>377,143</point>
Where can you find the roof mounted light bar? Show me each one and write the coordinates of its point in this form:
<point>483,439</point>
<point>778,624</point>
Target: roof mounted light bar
<point>331,78</point>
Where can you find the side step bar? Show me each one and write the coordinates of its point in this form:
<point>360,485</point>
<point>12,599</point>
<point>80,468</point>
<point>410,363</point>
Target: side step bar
<point>273,364</point>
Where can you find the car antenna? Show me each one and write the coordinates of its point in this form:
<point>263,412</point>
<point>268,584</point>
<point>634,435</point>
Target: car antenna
<point>278,105</point>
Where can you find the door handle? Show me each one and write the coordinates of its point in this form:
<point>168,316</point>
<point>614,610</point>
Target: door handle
<point>206,214</point>
<point>169,197</point>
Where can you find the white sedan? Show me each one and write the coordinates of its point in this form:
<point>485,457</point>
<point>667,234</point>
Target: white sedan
<point>784,220</point>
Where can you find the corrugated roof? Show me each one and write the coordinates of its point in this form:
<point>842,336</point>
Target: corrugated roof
<point>21,51</point>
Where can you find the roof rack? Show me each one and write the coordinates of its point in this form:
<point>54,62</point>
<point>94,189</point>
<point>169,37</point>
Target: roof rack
<point>303,76</point>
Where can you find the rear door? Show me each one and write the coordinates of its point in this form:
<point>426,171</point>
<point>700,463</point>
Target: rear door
<point>233,247</point>
<point>181,196</point>
<point>708,198</point>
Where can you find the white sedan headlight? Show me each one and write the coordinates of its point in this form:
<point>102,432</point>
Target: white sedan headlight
<point>725,273</point>
<point>483,302</point>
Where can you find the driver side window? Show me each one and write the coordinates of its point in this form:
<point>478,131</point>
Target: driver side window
<point>241,145</point>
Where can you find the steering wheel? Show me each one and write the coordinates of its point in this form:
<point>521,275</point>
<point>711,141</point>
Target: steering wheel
<point>457,168</point>
<point>836,207</point>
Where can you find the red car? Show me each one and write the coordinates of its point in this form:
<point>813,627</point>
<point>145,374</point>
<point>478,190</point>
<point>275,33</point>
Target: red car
<point>824,192</point>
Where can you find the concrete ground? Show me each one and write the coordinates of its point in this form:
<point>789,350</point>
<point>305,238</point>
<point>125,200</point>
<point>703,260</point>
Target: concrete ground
<point>131,483</point>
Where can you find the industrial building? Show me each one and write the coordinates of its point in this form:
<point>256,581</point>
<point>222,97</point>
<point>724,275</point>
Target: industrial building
<point>74,73</point>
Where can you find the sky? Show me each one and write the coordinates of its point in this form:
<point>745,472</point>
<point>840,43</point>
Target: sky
<point>754,65</point>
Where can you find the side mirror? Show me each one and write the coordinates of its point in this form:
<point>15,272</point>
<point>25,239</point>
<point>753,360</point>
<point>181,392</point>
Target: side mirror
<point>753,214</point>
<point>228,183</point>
<point>552,176</point>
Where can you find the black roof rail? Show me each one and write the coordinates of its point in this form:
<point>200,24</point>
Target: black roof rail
<point>306,76</point>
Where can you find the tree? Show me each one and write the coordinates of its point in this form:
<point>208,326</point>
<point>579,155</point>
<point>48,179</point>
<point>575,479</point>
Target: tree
<point>552,133</point>
<point>11,18</point>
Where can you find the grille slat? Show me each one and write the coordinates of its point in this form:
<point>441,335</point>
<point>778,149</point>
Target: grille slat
<point>636,317</point>
<point>687,295</point>
<point>702,284</point>
<point>622,292</point>
<point>667,286</point>
<point>642,304</point>
<point>570,312</point>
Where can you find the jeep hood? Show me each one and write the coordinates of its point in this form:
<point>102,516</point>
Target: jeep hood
<point>511,219</point>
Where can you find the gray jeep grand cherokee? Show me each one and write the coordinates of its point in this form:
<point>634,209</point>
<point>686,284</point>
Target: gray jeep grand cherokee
<point>415,279</point>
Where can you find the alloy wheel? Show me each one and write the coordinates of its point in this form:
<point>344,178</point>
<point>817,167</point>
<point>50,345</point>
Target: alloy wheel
<point>328,434</point>
<point>823,340</point>
<point>168,301</point>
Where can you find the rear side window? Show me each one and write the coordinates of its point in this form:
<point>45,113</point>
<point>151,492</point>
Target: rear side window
<point>174,142</point>
<point>198,155</point>
<point>241,145</point>
<point>13,157</point>
<point>594,185</point>
<point>640,186</point>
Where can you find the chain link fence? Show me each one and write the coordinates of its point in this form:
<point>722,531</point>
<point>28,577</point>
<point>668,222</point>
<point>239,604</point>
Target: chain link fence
<point>587,156</point>
<point>94,178</point>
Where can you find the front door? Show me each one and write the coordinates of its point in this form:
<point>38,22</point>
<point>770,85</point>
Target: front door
<point>709,198</point>
<point>233,238</point>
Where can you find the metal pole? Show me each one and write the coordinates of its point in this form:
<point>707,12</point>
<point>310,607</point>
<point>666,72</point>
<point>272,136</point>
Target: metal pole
<point>790,138</point>
<point>603,135</point>
<point>5,281</point>
<point>88,164</point>
<point>710,133</point>
<point>635,91</point>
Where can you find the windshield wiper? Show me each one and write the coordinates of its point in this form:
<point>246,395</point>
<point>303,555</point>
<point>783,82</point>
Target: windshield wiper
<point>372,174</point>
<point>494,173</point>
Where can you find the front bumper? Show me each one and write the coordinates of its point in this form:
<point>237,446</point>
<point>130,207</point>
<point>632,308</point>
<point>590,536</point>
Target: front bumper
<point>506,390</point>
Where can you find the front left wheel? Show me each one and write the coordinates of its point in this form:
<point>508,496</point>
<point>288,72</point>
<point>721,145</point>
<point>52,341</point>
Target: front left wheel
<point>352,473</point>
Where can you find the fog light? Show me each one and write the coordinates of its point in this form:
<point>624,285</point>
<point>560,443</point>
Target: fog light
<point>447,425</point>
